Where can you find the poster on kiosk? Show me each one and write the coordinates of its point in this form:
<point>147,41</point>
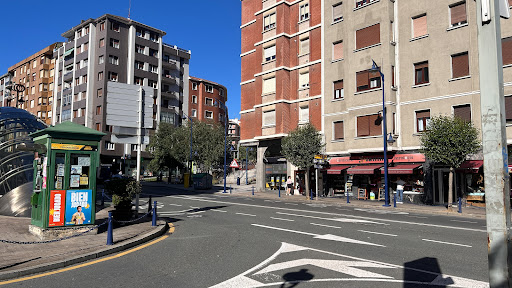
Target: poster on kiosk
<point>78,207</point>
<point>57,198</point>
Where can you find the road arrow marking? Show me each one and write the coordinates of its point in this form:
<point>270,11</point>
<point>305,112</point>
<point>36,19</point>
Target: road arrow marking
<point>449,243</point>
<point>344,220</point>
<point>324,237</point>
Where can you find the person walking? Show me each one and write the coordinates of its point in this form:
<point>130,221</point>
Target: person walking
<point>289,185</point>
<point>400,190</point>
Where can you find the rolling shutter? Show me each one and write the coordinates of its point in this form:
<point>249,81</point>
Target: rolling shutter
<point>338,130</point>
<point>460,65</point>
<point>368,36</point>
<point>420,26</point>
<point>363,127</point>
<point>458,13</point>
<point>463,112</point>
<point>506,46</point>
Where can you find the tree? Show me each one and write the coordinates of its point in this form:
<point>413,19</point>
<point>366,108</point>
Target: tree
<point>449,141</point>
<point>252,154</point>
<point>208,145</point>
<point>300,148</point>
<point>168,147</point>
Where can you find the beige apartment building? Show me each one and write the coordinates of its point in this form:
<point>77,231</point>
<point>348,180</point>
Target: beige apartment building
<point>428,53</point>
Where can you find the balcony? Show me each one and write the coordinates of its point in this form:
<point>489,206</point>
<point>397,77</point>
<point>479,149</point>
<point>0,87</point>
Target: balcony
<point>68,75</point>
<point>169,79</point>
<point>171,64</point>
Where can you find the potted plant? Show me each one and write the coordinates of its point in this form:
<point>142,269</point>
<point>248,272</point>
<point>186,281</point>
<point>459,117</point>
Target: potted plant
<point>122,191</point>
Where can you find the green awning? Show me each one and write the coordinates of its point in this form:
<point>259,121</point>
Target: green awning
<point>68,52</point>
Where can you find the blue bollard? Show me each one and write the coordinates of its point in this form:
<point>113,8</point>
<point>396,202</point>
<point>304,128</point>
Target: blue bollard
<point>460,205</point>
<point>102,197</point>
<point>150,208</point>
<point>348,197</point>
<point>230,189</point>
<point>394,200</point>
<point>279,191</point>
<point>252,190</point>
<point>110,236</point>
<point>153,223</point>
<point>311,194</point>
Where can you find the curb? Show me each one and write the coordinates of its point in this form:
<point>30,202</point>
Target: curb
<point>156,232</point>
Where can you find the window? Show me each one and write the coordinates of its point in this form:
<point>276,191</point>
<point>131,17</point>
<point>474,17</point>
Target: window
<point>98,110</point>
<point>114,26</point>
<point>304,80</point>
<point>33,76</point>
<point>84,63</point>
<point>100,76</point>
<point>337,10</point>
<point>419,26</point>
<point>86,30</point>
<point>458,14</point>
<point>102,26</point>
<point>110,146</point>
<point>153,68</point>
<point>369,125</point>
<point>112,76</point>
<point>139,65</point>
<point>337,50</point>
<point>153,84</point>
<point>86,47</point>
<point>269,22</point>
<point>304,12</point>
<point>208,101</point>
<point>463,112</point>
<point>138,81</point>
<point>153,52</point>
<point>32,103</point>
<point>366,80</point>
<point>269,53</point>
<point>114,43</point>
<point>78,33</point>
<point>114,60</point>
<point>368,36</point>
<point>304,46</point>
<point>338,131</point>
<point>52,72</point>
<point>208,88</point>
<point>77,81</point>
<point>361,3</point>
<point>508,108</point>
<point>208,114</point>
<point>421,73</point>
<point>393,84</point>
<point>339,93</point>
<point>78,50</point>
<point>153,37</point>
<point>194,113</point>
<point>98,126</point>
<point>269,118</point>
<point>506,48</point>
<point>139,48</point>
<point>101,59</point>
<point>194,86</point>
<point>99,92</point>
<point>84,79</point>
<point>304,114</point>
<point>140,33</point>
<point>269,85</point>
<point>102,42</point>
<point>460,65</point>
<point>422,120</point>
<point>40,87</point>
<point>194,99</point>
<point>221,92</point>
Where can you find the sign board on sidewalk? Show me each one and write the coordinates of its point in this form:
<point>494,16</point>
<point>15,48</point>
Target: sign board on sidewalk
<point>123,105</point>
<point>234,164</point>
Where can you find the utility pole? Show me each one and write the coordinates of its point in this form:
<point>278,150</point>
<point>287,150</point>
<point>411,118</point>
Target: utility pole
<point>497,190</point>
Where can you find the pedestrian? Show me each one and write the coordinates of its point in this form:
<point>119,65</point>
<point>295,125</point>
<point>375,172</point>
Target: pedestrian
<point>289,185</point>
<point>400,190</point>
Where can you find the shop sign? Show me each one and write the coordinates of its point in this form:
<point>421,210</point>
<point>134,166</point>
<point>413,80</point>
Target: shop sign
<point>57,200</point>
<point>398,158</point>
<point>78,207</point>
<point>72,147</point>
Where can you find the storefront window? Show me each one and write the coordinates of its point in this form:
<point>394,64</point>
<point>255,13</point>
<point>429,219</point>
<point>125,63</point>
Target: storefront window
<point>80,170</point>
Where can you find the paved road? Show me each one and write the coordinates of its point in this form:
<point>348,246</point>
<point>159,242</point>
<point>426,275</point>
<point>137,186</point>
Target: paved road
<point>228,241</point>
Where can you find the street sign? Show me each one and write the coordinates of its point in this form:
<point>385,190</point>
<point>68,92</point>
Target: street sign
<point>234,164</point>
<point>123,105</point>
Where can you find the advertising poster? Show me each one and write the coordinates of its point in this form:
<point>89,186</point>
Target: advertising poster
<point>78,207</point>
<point>60,169</point>
<point>84,180</point>
<point>84,161</point>
<point>76,169</point>
<point>74,181</point>
<point>57,200</point>
<point>58,183</point>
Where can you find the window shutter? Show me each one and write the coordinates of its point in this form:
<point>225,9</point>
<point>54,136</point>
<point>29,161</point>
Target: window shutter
<point>508,107</point>
<point>506,45</point>
<point>269,117</point>
<point>375,129</point>
<point>368,36</point>
<point>363,126</point>
<point>338,130</point>
<point>463,112</point>
<point>423,114</point>
<point>269,51</point>
<point>273,17</point>
<point>337,12</point>
<point>460,65</point>
<point>420,65</point>
<point>420,26</point>
<point>269,85</point>
<point>304,113</point>
<point>303,80</point>
<point>337,51</point>
<point>338,85</point>
<point>458,13</point>
<point>304,46</point>
<point>362,78</point>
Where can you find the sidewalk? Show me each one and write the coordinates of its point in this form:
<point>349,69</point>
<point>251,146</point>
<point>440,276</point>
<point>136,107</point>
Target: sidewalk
<point>18,260</point>
<point>246,191</point>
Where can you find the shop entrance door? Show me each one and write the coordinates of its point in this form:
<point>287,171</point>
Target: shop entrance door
<point>441,177</point>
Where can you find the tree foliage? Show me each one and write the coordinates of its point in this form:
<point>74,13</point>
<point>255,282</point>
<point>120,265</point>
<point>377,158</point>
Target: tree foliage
<point>449,140</point>
<point>252,153</point>
<point>208,145</point>
<point>301,146</point>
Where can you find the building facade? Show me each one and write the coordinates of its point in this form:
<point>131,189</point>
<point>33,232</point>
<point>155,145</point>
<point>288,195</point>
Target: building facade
<point>281,84</point>
<point>36,73</point>
<point>207,100</point>
<point>117,49</point>
<point>5,88</point>
<point>234,136</point>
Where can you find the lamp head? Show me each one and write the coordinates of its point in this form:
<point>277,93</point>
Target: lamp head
<point>375,67</point>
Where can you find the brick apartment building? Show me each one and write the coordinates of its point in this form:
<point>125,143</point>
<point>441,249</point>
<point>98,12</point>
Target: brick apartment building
<point>204,100</point>
<point>281,83</point>
<point>117,49</point>
<point>36,73</point>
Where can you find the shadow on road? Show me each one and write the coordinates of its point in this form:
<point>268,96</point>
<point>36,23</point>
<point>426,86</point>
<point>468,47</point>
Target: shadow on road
<point>295,278</point>
<point>414,272</point>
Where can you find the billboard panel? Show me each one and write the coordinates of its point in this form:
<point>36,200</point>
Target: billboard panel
<point>78,207</point>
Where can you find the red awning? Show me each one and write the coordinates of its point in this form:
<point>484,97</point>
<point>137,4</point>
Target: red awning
<point>470,166</point>
<point>335,170</point>
<point>402,169</point>
<point>367,169</point>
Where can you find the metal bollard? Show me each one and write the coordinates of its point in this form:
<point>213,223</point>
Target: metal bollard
<point>460,205</point>
<point>153,223</point>
<point>311,194</point>
<point>102,197</point>
<point>252,190</point>
<point>348,197</point>
<point>279,187</point>
<point>394,200</point>
<point>110,236</point>
<point>229,189</point>
<point>150,208</point>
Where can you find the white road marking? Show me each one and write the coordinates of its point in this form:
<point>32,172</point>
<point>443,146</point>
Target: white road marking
<point>464,221</point>
<point>342,209</point>
<point>449,243</point>
<point>378,211</point>
<point>324,237</point>
<point>344,220</point>
<point>294,204</point>
<point>194,207</point>
<point>364,231</point>
<point>282,219</point>
<point>328,226</point>
<point>222,211</point>
<point>196,212</point>
<point>195,198</point>
<point>420,217</point>
<point>246,214</point>
<point>268,200</point>
<point>177,205</point>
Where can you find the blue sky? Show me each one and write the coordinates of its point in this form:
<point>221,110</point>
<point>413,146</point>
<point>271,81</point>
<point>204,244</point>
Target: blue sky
<point>210,28</point>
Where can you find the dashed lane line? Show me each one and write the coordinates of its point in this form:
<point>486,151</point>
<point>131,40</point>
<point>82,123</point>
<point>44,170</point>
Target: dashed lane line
<point>282,219</point>
<point>371,232</point>
<point>328,226</point>
<point>244,214</point>
<point>461,221</point>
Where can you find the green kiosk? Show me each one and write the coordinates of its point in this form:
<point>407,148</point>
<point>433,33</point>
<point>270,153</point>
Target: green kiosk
<point>65,165</point>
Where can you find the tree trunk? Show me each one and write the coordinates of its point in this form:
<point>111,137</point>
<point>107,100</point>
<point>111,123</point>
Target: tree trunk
<point>450,189</point>
<point>306,180</point>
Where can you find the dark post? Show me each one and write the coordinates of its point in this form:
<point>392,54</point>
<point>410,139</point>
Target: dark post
<point>394,200</point>
<point>154,215</point>
<point>460,205</point>
<point>252,190</point>
<point>279,189</point>
<point>110,236</point>
<point>347,196</point>
<point>149,205</point>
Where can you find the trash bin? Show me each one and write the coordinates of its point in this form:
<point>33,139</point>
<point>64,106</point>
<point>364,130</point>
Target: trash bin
<point>186,178</point>
<point>238,181</point>
<point>202,181</point>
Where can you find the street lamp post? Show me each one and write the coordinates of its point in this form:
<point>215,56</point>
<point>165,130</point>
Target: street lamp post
<point>19,89</point>
<point>376,68</point>
<point>185,116</point>
<point>222,106</point>
<point>247,149</point>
